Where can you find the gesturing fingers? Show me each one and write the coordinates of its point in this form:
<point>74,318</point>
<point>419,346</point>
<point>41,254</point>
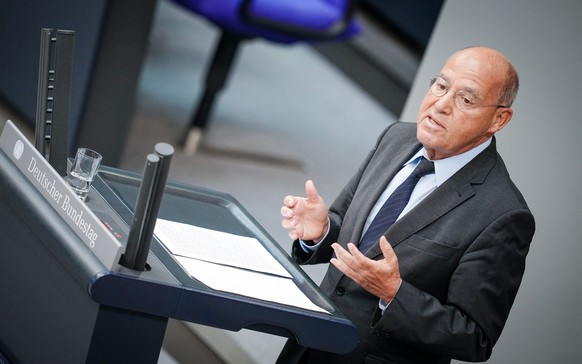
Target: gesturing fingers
<point>380,278</point>
<point>295,229</point>
<point>347,261</point>
<point>305,217</point>
<point>311,192</point>
<point>286,212</point>
<point>290,201</point>
<point>388,252</point>
<point>289,220</point>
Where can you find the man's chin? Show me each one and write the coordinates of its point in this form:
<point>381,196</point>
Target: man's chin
<point>423,135</point>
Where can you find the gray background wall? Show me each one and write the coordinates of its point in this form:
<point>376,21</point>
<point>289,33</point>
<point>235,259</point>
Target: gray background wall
<point>542,149</point>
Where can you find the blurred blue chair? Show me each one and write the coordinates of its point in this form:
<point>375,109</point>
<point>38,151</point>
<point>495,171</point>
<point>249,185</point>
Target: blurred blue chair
<point>281,21</point>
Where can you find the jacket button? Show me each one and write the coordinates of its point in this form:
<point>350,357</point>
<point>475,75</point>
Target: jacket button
<point>340,291</point>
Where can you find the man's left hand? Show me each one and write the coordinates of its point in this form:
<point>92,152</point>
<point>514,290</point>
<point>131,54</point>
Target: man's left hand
<point>379,277</point>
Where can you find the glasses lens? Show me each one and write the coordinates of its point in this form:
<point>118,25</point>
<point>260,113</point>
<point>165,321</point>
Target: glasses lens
<point>464,101</point>
<point>438,86</point>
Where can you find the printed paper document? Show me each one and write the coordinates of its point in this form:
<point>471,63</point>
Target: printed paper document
<point>231,263</point>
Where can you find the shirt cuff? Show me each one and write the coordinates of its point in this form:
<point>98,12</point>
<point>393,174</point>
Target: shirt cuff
<point>383,305</point>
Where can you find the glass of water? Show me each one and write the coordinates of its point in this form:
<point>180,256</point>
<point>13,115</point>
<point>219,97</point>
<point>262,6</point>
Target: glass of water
<point>83,171</point>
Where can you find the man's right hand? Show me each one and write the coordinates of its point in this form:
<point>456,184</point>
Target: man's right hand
<point>305,217</point>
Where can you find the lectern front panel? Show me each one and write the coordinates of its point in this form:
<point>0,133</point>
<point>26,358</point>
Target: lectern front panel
<point>46,314</point>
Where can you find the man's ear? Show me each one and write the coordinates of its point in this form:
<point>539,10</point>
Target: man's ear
<point>502,117</point>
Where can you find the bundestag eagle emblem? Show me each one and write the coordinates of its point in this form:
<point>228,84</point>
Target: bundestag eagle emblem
<point>18,149</point>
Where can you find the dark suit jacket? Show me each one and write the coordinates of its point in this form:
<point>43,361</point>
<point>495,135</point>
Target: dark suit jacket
<point>461,253</point>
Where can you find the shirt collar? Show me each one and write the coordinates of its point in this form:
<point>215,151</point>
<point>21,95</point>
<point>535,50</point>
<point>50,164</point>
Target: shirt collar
<point>445,168</point>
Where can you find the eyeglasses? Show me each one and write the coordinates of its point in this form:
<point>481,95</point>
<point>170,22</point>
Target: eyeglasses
<point>464,100</point>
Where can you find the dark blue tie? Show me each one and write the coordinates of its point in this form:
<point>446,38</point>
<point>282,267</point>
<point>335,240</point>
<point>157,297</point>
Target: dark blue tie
<point>394,205</point>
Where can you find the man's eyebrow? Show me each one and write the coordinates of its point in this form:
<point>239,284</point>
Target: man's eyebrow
<point>472,91</point>
<point>468,90</point>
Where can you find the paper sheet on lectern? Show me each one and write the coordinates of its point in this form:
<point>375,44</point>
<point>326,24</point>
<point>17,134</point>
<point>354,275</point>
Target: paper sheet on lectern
<point>248,283</point>
<point>231,263</point>
<point>217,247</point>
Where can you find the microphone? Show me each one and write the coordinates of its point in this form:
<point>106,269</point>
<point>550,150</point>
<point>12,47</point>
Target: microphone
<point>147,207</point>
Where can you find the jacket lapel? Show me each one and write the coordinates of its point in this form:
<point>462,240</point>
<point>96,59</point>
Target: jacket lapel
<point>445,198</point>
<point>379,176</point>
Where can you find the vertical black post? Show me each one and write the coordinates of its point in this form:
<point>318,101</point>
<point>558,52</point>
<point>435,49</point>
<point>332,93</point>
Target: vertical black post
<point>54,96</point>
<point>137,234</point>
<point>147,206</point>
<point>44,97</point>
<point>59,142</point>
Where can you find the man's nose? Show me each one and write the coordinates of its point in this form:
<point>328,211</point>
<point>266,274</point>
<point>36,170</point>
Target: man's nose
<point>445,102</point>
